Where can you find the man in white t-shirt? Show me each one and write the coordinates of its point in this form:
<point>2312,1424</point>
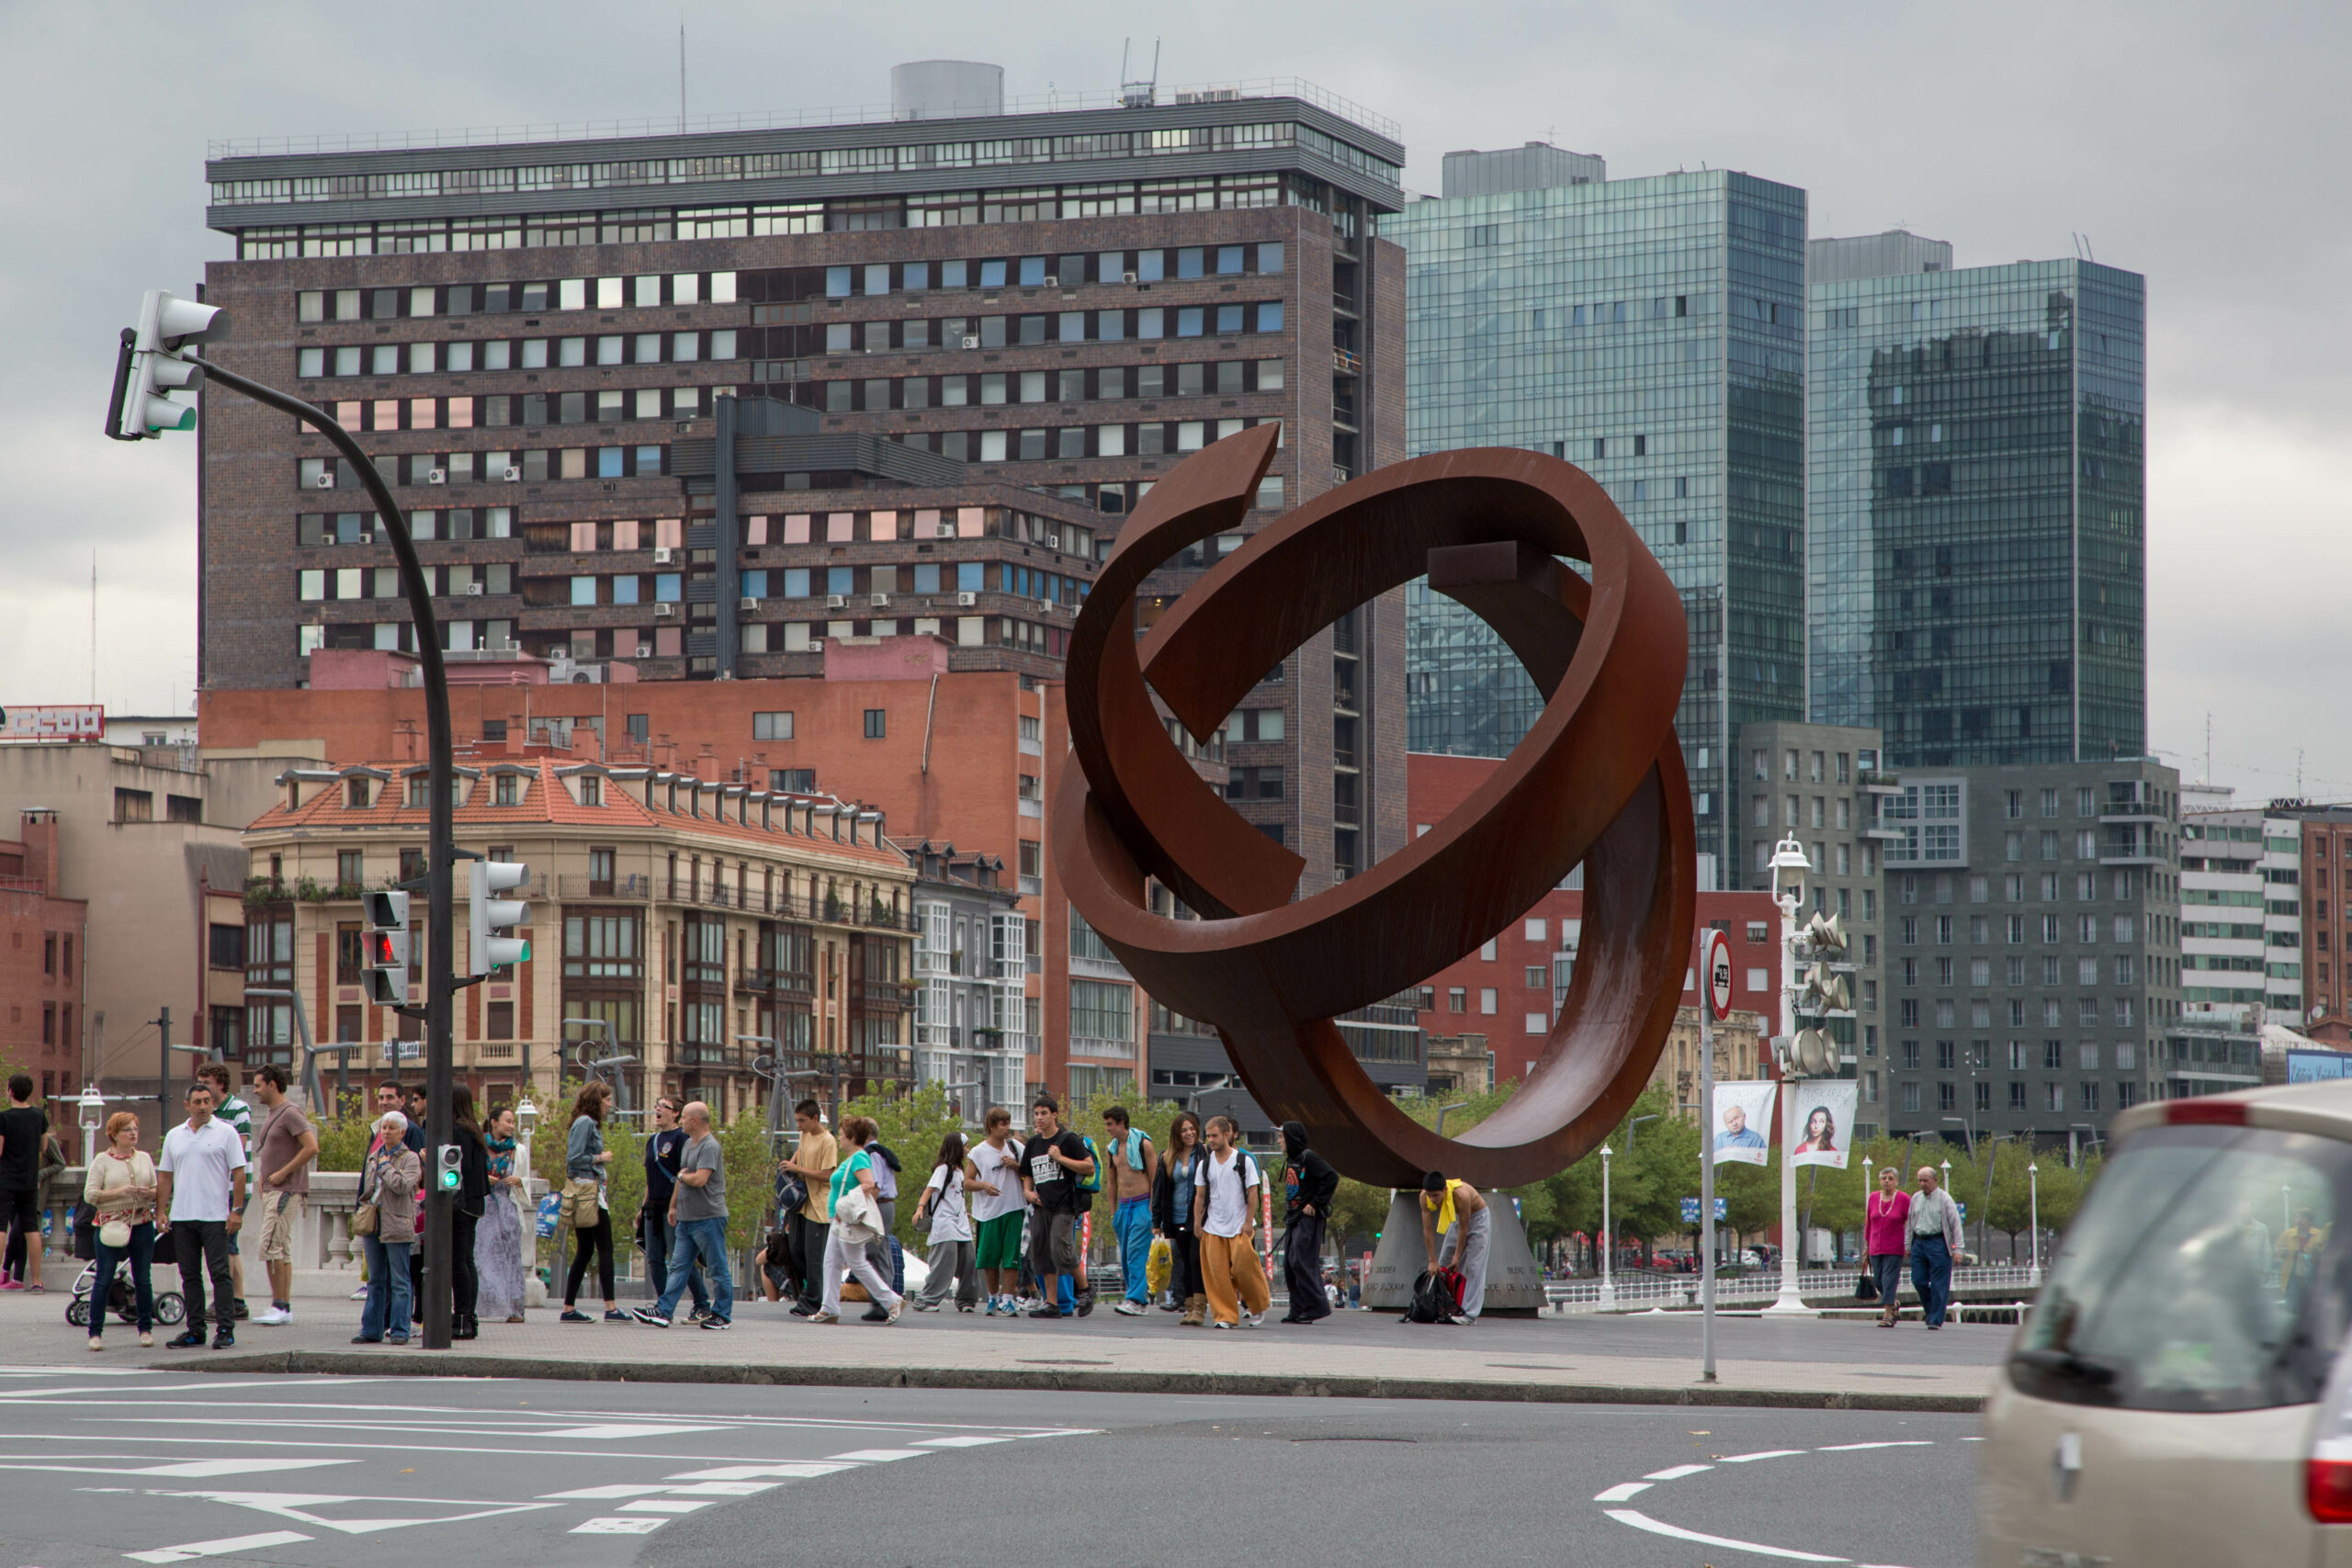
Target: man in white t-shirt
<point>201,1196</point>
<point>1225,1203</point>
<point>998,1210</point>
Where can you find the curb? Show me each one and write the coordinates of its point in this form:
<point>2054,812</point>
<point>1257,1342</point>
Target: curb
<point>351,1363</point>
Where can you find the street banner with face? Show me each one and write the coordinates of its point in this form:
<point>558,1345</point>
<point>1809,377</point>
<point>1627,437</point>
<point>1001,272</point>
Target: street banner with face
<point>1743,1129</point>
<point>1824,1121</point>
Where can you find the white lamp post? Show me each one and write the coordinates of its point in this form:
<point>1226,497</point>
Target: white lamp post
<point>1608,1238</point>
<point>94,1115</point>
<point>1789,866</point>
<point>2033,1223</point>
<point>526,1119</point>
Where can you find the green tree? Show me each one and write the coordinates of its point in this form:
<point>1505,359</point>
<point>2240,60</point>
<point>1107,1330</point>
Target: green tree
<point>2008,1211</point>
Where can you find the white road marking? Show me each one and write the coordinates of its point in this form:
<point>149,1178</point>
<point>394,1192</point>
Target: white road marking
<point>1676,1473</point>
<point>1898,1443</point>
<point>878,1456</point>
<point>1623,1491</point>
<point>1642,1521</point>
<point>722,1489</point>
<point>667,1505</point>
<point>957,1442</point>
<point>787,1470</point>
<point>620,1524</point>
<point>193,1469</point>
<point>619,1430</point>
<point>239,1543</point>
<point>303,1508</point>
<point>1767,1453</point>
<point>602,1494</point>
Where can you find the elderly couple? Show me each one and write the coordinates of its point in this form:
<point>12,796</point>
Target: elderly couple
<point>1923,1226</point>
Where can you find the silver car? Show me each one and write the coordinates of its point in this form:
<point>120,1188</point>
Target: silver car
<point>2175,1396</point>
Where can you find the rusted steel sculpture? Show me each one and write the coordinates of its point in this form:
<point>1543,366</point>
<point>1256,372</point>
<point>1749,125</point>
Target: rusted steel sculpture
<point>1599,780</point>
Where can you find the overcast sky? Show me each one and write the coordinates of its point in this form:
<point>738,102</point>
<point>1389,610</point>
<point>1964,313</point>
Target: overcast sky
<point>2201,145</point>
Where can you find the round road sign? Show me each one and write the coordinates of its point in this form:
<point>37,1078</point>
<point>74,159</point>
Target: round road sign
<point>1715,953</point>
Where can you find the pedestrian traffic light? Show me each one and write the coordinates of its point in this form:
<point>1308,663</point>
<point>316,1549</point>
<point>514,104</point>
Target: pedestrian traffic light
<point>487,916</point>
<point>452,1167</point>
<point>387,954</point>
<point>151,365</point>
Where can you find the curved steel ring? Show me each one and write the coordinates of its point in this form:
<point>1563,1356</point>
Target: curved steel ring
<point>1598,781</point>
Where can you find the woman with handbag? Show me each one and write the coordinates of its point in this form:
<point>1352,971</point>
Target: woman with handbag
<point>498,1242</point>
<point>385,1222</point>
<point>1886,1226</point>
<point>584,1158</point>
<point>857,1223</point>
<point>122,1187</point>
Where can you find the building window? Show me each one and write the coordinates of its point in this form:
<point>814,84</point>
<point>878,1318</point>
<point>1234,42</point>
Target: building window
<point>350,953</point>
<point>508,790</point>
<point>226,949</point>
<point>1457,998</point>
<point>498,1021</point>
<point>350,868</point>
<point>876,723</point>
<point>134,805</point>
<point>772,727</point>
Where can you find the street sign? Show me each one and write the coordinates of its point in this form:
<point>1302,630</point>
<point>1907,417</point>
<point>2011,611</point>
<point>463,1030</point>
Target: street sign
<point>407,1051</point>
<point>1715,963</point>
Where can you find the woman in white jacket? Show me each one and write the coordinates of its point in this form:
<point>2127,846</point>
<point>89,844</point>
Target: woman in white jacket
<point>122,1187</point>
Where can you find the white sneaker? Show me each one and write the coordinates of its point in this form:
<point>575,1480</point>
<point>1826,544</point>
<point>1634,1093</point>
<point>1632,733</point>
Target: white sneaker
<point>1128,1309</point>
<point>1220,1323</point>
<point>274,1318</point>
<point>360,1294</point>
<point>1253,1319</point>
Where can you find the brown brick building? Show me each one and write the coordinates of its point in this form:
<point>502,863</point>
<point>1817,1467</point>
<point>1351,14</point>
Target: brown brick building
<point>44,942</point>
<point>1026,315</point>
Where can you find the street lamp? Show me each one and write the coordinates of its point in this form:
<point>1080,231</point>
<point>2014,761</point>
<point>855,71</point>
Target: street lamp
<point>1629,1132</point>
<point>1789,866</point>
<point>1608,1240</point>
<point>1458,1105</point>
<point>2034,1223</point>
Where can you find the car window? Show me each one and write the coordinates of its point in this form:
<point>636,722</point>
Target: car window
<point>2201,1274</point>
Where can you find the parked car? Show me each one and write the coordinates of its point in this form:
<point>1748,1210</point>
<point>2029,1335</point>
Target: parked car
<point>2178,1393</point>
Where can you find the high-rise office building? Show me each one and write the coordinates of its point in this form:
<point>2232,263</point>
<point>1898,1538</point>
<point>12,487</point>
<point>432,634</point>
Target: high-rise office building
<point>1651,331</point>
<point>1975,496</point>
<point>533,338</point>
<point>2241,907</point>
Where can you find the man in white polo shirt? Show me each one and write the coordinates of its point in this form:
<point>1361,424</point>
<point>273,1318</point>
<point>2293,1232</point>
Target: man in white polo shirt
<point>201,1194</point>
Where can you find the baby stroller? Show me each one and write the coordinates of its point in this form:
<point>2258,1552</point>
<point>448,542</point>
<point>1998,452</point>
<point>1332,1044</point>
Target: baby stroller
<point>122,1300</point>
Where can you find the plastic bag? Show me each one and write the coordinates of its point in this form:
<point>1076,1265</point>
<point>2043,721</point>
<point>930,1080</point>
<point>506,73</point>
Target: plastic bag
<point>1159,1265</point>
<point>550,1209</point>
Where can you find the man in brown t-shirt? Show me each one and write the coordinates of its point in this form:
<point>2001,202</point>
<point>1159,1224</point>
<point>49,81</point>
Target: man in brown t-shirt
<point>284,1146</point>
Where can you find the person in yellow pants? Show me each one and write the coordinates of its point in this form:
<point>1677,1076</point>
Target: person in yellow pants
<point>1223,1203</point>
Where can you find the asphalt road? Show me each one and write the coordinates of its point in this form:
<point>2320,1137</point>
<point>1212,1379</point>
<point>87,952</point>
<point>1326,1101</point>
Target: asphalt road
<point>117,1466</point>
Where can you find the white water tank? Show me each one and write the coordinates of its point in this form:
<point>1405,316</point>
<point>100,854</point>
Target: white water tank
<point>945,89</point>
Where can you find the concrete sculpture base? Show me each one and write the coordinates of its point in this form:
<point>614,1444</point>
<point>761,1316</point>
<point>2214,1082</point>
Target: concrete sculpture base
<point>1514,1283</point>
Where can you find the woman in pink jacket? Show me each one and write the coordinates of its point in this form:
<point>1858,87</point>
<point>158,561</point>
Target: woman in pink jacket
<point>1887,1214</point>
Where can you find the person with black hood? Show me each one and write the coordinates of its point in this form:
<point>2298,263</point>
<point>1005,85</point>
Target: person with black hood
<point>1310,1183</point>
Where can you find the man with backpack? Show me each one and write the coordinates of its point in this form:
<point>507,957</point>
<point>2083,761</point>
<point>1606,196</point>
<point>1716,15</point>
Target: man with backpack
<point>1455,1211</point>
<point>1225,1203</point>
<point>1132,1160</point>
<point>1053,1163</point>
<point>1309,1184</point>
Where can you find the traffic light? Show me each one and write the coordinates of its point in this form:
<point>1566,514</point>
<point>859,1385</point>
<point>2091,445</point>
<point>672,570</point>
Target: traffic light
<point>151,365</point>
<point>450,1168</point>
<point>387,957</point>
<point>487,916</point>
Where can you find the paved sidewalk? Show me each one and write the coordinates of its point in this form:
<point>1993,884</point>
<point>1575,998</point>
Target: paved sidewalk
<point>1645,1359</point>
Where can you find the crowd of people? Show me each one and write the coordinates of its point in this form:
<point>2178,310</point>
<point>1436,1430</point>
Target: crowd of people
<point>1001,1215</point>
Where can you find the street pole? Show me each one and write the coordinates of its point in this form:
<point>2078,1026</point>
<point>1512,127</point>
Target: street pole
<point>440,977</point>
<point>1790,1302</point>
<point>1608,1237</point>
<point>163,1078</point>
<point>2034,1223</point>
<point>1706,1174</point>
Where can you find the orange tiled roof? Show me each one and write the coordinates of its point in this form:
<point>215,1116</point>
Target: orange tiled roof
<point>800,821</point>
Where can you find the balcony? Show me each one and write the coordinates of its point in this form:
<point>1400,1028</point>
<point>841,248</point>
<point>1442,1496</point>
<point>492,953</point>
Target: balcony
<point>2133,843</point>
<point>1114,1050</point>
<point>1346,363</point>
<point>632,889</point>
<point>1879,782</point>
<point>2131,803</point>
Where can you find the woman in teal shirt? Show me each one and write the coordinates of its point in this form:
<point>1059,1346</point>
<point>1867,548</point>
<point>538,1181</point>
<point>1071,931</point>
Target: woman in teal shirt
<point>841,1255</point>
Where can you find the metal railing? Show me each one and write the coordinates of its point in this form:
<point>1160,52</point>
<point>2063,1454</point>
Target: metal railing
<point>1763,1285</point>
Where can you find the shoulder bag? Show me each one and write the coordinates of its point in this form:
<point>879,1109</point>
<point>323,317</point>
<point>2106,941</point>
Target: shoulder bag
<point>364,1214</point>
<point>856,1216</point>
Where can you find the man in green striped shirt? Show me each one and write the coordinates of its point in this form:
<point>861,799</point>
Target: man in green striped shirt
<point>240,1116</point>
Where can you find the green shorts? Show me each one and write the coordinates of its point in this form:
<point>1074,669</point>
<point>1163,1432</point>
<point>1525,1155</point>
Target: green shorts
<point>999,1241</point>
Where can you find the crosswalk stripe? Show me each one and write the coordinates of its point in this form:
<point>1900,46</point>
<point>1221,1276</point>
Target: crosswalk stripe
<point>235,1543</point>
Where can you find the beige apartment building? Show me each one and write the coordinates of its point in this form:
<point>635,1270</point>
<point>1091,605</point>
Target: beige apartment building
<point>701,926</point>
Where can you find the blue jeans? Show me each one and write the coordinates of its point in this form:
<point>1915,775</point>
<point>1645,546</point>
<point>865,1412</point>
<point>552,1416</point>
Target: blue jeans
<point>387,1312</point>
<point>706,1240</point>
<point>661,1241</point>
<point>1931,1276</point>
<point>1132,1223</point>
<point>140,1251</point>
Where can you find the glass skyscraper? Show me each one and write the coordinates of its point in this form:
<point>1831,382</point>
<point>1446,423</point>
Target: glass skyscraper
<point>1975,504</point>
<point>1651,331</point>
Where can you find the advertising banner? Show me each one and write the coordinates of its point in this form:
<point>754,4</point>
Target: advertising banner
<point>1743,1129</point>
<point>53,721</point>
<point>1825,1119</point>
<point>2317,1066</point>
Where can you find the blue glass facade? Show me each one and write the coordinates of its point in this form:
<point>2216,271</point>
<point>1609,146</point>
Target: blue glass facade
<point>1976,507</point>
<point>1651,331</point>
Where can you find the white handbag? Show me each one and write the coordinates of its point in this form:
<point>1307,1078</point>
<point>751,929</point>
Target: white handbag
<point>857,1217</point>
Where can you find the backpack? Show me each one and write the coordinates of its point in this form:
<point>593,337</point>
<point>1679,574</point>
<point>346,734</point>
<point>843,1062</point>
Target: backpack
<point>1087,1186</point>
<point>1437,1296</point>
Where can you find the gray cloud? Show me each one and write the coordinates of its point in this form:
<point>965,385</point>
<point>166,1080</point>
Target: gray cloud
<point>2200,145</point>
